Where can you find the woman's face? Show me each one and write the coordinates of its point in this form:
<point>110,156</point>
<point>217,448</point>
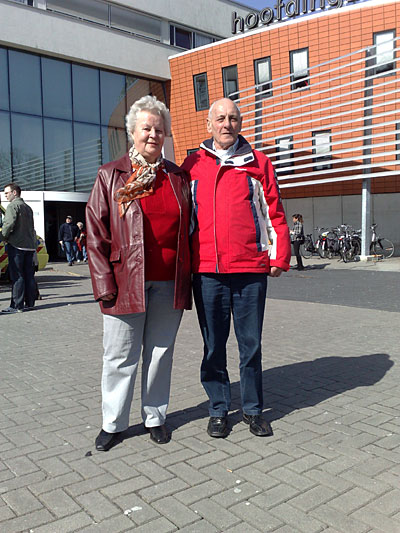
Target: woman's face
<point>149,135</point>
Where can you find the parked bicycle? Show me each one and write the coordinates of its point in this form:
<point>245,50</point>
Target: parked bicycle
<point>310,248</point>
<point>380,245</point>
<point>350,243</point>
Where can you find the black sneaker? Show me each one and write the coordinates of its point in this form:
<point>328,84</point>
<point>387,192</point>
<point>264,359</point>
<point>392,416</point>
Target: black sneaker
<point>11,310</point>
<point>258,425</point>
<point>218,427</point>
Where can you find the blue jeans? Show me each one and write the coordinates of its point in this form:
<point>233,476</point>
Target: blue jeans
<point>22,272</point>
<point>82,254</point>
<point>217,296</point>
<point>71,250</point>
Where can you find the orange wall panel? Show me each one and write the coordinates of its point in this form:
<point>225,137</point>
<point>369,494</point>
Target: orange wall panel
<point>327,37</point>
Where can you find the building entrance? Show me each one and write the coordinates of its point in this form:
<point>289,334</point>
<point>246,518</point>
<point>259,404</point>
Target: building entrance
<point>55,214</point>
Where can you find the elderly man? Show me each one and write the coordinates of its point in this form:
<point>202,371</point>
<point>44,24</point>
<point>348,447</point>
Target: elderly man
<point>240,236</point>
<point>19,233</point>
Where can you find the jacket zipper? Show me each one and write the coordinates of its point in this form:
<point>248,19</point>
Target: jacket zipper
<point>215,226</point>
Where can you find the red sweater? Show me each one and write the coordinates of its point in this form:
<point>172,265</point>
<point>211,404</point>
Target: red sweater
<point>160,226</point>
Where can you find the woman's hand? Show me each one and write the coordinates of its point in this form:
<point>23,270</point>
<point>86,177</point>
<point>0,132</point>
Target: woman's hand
<point>108,297</point>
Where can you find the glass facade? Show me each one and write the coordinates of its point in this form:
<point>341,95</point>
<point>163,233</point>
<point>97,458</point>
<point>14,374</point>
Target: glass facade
<point>59,121</point>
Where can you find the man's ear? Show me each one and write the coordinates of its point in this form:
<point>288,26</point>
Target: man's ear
<point>209,126</point>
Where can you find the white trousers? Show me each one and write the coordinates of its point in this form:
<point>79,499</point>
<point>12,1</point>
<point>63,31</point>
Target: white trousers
<point>151,333</point>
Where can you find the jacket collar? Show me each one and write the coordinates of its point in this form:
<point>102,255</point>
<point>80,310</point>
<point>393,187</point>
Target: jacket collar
<point>242,156</point>
<point>124,165</point>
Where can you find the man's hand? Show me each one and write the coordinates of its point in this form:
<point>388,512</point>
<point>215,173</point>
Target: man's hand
<point>108,297</point>
<point>275,272</point>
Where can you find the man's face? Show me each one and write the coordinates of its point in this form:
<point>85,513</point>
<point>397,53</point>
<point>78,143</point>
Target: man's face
<point>9,194</point>
<point>68,220</point>
<point>224,124</point>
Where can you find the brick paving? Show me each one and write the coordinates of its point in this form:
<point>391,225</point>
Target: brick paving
<point>331,381</point>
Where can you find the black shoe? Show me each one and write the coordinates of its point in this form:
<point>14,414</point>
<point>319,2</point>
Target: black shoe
<point>159,434</point>
<point>258,426</point>
<point>218,426</point>
<point>104,441</point>
<point>70,264</point>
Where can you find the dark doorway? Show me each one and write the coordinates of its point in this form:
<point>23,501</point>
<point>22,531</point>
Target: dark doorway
<point>54,215</point>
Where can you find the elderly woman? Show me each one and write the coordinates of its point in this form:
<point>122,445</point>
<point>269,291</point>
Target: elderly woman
<point>137,239</point>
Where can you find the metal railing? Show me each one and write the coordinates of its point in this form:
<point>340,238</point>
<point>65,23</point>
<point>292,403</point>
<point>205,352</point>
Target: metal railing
<point>335,101</point>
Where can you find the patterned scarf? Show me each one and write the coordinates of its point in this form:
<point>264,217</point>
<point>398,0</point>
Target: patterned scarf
<point>140,182</point>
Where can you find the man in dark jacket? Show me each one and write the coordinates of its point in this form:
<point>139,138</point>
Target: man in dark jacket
<point>240,236</point>
<point>67,236</point>
<point>19,233</point>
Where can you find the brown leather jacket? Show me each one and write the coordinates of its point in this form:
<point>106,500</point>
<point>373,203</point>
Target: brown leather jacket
<point>115,245</point>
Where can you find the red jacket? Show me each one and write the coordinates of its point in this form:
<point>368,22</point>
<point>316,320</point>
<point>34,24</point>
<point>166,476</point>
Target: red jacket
<point>239,224</point>
<point>116,246</point>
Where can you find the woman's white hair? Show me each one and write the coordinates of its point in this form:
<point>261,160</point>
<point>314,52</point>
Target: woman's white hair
<point>152,105</point>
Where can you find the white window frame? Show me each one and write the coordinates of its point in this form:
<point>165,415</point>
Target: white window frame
<point>227,71</point>
<point>283,145</point>
<point>322,147</point>
<point>197,96</point>
<point>299,65</point>
<point>384,48</point>
<point>263,84</point>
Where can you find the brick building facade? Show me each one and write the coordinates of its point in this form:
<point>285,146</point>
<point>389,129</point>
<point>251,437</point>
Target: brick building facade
<point>318,94</point>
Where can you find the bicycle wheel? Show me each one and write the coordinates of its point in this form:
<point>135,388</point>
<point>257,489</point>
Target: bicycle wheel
<point>322,249</point>
<point>385,247</point>
<point>304,251</point>
<point>346,254</point>
<point>357,247</point>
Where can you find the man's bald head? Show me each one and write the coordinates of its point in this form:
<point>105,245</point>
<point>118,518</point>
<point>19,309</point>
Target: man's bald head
<point>224,123</point>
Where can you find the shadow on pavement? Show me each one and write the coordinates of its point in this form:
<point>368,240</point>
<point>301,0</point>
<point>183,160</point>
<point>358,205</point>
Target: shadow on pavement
<point>307,266</point>
<point>292,387</point>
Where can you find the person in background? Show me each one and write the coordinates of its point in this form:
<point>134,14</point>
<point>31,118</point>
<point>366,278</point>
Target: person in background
<point>67,236</point>
<point>240,237</point>
<point>19,233</point>
<point>137,220</point>
<point>297,238</point>
<point>81,243</point>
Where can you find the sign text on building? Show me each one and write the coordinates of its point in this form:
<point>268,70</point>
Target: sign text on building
<point>282,9</point>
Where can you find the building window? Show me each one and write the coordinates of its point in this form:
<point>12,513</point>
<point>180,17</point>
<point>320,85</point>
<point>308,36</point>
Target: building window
<point>92,10</point>
<point>183,38</point>
<point>384,51</point>
<point>188,39</point>
<point>201,91</point>
<point>322,149</point>
<point>398,141</point>
<point>262,77</point>
<point>283,145</point>
<point>133,22</point>
<point>230,81</point>
<point>74,113</point>
<point>299,69</point>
